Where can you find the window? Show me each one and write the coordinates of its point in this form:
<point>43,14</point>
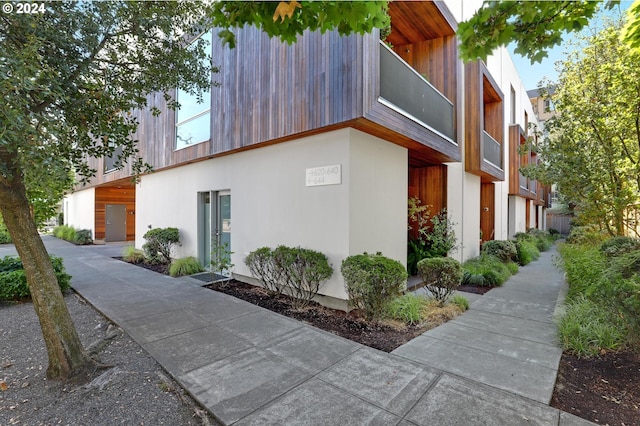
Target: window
<point>112,162</point>
<point>193,119</point>
<point>548,105</point>
<point>513,105</point>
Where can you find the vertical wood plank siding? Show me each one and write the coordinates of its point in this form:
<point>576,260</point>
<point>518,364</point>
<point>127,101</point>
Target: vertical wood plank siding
<point>272,92</point>
<point>483,112</point>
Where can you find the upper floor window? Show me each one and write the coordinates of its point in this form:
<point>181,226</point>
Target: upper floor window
<point>193,118</point>
<point>548,105</point>
<point>513,105</point>
<point>111,162</point>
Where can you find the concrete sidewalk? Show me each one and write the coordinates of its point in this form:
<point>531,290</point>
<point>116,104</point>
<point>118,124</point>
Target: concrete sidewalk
<point>494,365</point>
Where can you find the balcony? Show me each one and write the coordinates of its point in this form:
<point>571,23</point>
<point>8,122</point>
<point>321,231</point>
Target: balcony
<point>523,181</point>
<point>491,150</point>
<point>406,91</point>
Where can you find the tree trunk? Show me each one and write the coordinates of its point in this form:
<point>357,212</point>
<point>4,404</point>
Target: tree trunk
<point>67,358</point>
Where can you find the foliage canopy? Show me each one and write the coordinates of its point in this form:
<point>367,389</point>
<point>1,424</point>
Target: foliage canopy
<point>593,150</point>
<point>535,26</point>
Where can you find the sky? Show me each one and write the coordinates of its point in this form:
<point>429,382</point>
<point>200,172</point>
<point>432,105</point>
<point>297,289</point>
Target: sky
<point>532,74</point>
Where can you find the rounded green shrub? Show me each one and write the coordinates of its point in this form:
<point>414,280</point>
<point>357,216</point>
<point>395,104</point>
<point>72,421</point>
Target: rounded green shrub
<point>618,246</point>
<point>441,276</point>
<point>372,281</point>
<point>82,237</point>
<point>504,250</point>
<point>160,242</point>
<point>13,280</point>
<point>185,266</point>
<point>586,235</point>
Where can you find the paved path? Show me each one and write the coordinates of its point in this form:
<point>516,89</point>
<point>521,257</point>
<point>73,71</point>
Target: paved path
<point>494,365</point>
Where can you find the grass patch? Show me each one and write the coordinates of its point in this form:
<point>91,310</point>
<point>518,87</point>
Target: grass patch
<point>588,328</point>
<point>185,266</point>
<point>493,272</point>
<point>407,308</point>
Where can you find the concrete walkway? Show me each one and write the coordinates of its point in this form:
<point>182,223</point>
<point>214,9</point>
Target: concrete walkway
<point>494,365</point>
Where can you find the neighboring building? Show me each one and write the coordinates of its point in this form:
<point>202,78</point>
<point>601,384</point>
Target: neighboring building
<point>542,104</point>
<point>320,143</point>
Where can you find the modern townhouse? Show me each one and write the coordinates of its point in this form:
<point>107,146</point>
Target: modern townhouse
<point>320,143</point>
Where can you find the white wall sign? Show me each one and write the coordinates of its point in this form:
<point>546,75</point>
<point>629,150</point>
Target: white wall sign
<point>325,175</point>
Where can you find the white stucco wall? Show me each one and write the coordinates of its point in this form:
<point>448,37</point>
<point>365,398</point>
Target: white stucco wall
<point>79,209</point>
<point>271,204</point>
<point>517,215</point>
<point>463,201</point>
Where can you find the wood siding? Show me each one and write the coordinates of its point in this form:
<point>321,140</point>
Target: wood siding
<point>516,160</point>
<point>429,184</point>
<point>115,195</point>
<point>271,92</point>
<point>483,112</point>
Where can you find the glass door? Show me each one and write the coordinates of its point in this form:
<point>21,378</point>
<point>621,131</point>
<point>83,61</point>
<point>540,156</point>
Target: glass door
<point>214,223</point>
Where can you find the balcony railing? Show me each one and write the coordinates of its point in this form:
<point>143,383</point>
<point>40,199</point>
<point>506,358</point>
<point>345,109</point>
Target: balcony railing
<point>491,150</point>
<point>412,95</point>
<point>523,181</point>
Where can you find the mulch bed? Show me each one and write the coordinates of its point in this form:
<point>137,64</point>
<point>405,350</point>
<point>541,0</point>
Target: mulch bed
<point>350,325</point>
<point>604,390</point>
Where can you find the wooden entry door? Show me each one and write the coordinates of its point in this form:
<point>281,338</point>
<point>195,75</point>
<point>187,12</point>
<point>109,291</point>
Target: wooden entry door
<point>487,213</point>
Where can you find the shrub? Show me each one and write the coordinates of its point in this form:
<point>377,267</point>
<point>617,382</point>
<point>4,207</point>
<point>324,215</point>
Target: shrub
<point>63,232</point>
<point>544,241</point>
<point>512,267</point>
<point>527,251</point>
<point>75,236</point>
<point>586,235</point>
<point>5,238</point>
<point>160,242</point>
<point>133,255</point>
<point>553,232</point>
<point>493,271</point>
<point>303,272</point>
<point>372,281</point>
<point>82,237</point>
<point>587,328</point>
<point>185,266</point>
<point>618,246</point>
<point>296,271</point>
<point>407,308</point>
<point>441,276</point>
<point>583,266</point>
<point>261,264</point>
<point>460,301</point>
<point>13,280</point>
<point>221,259</point>
<point>416,251</point>
<point>624,266</point>
<point>503,250</point>
<point>441,237</point>
<point>68,233</point>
